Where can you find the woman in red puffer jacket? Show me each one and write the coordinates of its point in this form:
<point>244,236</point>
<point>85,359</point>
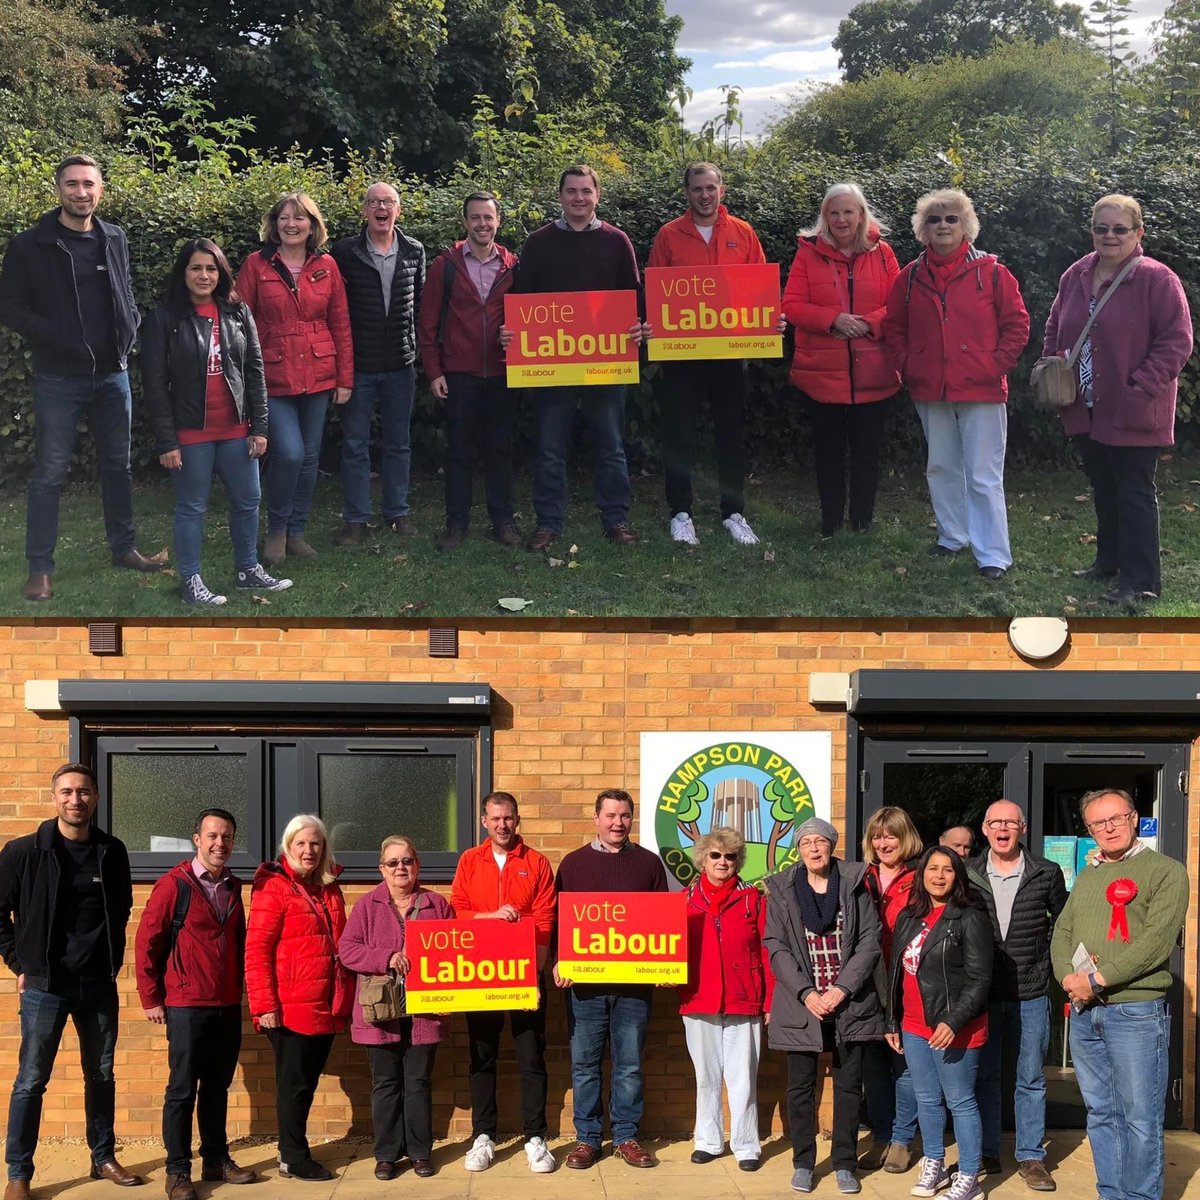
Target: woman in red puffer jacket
<point>835,297</point>
<point>300,995</point>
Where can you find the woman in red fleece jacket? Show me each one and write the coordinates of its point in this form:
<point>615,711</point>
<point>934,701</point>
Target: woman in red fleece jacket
<point>300,994</point>
<point>723,1001</point>
<point>1128,374</point>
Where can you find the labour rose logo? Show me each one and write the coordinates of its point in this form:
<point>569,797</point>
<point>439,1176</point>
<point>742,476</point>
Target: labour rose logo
<point>741,785</point>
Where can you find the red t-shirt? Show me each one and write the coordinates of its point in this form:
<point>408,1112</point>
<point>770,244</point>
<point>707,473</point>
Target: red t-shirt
<point>972,1035</point>
<point>221,422</point>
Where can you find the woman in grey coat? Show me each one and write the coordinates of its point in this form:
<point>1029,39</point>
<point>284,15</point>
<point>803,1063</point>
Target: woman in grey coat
<point>822,934</point>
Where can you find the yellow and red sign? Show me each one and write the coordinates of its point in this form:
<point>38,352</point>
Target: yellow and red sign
<point>470,966</point>
<point>714,312</point>
<point>564,339</point>
<point>623,937</point>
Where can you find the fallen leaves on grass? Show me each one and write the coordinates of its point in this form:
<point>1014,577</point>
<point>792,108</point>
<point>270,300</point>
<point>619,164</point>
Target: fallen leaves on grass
<point>513,603</point>
<point>400,558</point>
<point>1083,499</point>
<point>900,572</point>
<point>1087,539</point>
<point>768,556</point>
<point>260,600</point>
<point>554,562</point>
<point>162,556</point>
<point>414,606</point>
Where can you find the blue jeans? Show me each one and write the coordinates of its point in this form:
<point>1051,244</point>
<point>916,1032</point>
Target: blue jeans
<point>295,426</point>
<point>1020,1027</point>
<point>393,392</point>
<point>604,411</point>
<point>1120,1057</point>
<point>193,482</point>
<point>58,403</point>
<point>891,1101</point>
<point>619,1020</point>
<point>93,1007</point>
<point>949,1075</point>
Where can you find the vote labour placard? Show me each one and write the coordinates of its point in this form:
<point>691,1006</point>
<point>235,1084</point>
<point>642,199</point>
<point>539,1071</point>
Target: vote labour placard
<point>564,339</point>
<point>470,966</point>
<point>622,937</point>
<point>713,312</point>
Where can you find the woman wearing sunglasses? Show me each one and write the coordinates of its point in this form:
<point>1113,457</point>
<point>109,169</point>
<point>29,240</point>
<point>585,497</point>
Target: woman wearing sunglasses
<point>1127,371</point>
<point>955,327</point>
<point>401,1052</point>
<point>723,1001</point>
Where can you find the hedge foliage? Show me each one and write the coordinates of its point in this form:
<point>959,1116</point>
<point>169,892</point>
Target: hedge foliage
<point>1034,212</point>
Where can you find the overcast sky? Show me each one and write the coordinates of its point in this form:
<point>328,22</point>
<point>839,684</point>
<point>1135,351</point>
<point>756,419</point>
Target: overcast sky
<point>773,49</point>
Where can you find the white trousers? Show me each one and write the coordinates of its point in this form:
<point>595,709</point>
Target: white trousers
<point>725,1047</point>
<point>965,471</point>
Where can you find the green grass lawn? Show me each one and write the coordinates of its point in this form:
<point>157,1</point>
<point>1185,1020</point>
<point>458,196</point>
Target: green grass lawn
<point>886,573</point>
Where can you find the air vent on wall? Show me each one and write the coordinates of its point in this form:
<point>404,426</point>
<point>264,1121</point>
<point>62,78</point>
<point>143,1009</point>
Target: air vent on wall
<point>104,637</point>
<point>443,643</point>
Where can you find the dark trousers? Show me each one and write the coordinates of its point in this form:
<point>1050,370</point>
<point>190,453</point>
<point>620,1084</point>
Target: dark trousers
<point>479,414</point>
<point>847,1097</point>
<point>688,384</point>
<point>529,1045</point>
<point>836,428</point>
<point>202,1054</point>
<point>402,1098</point>
<point>1122,479</point>
<point>299,1060</point>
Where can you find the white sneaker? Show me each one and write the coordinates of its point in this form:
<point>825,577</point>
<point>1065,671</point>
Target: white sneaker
<point>541,1161</point>
<point>739,530</point>
<point>964,1187</point>
<point>932,1179</point>
<point>257,579</point>
<point>195,594</point>
<point>682,529</point>
<point>480,1155</point>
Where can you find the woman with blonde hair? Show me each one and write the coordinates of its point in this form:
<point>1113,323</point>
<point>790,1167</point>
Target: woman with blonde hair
<point>955,327</point>
<point>835,297</point>
<point>723,1001</point>
<point>295,291</point>
<point>1127,376</point>
<point>890,847</point>
<point>300,995</point>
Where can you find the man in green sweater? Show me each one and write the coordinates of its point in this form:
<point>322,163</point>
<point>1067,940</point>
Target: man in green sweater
<point>1126,912</point>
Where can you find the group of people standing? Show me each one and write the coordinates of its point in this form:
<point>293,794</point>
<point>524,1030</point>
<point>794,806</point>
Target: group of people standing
<point>919,971</point>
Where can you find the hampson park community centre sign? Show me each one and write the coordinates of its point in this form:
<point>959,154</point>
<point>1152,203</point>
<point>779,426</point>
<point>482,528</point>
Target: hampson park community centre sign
<point>762,784</point>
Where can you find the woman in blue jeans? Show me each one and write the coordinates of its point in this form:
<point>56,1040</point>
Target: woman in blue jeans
<point>940,975</point>
<point>202,375</point>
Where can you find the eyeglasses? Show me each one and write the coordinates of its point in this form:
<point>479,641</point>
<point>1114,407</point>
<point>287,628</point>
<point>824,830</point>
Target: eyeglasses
<point>716,855</point>
<point>1109,823</point>
<point>1004,824</point>
<point>1118,230</point>
<point>938,218</point>
<point>385,203</point>
<point>393,863</point>
<point>813,843</point>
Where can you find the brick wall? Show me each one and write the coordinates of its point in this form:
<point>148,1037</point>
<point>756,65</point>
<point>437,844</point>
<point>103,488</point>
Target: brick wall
<point>572,705</point>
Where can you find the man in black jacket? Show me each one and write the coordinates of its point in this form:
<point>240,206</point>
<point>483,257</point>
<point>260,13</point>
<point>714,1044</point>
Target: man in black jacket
<point>1024,896</point>
<point>65,288</point>
<point>65,898</point>
<point>384,271</point>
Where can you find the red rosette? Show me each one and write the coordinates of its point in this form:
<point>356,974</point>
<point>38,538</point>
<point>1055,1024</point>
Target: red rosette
<point>1119,893</point>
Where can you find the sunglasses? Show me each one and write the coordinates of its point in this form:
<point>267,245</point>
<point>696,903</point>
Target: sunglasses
<point>393,863</point>
<point>715,855</point>
<point>938,218</point>
<point>1118,230</point>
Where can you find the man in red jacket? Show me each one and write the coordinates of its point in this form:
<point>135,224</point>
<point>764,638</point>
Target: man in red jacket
<point>507,881</point>
<point>190,950</point>
<point>462,309</point>
<point>705,236</point>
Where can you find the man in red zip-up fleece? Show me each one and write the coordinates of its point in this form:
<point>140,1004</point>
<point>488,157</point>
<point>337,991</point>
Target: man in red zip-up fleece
<point>190,979</point>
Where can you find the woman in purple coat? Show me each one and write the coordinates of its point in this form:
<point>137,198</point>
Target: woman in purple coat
<point>401,1052</point>
<point>1127,374</point>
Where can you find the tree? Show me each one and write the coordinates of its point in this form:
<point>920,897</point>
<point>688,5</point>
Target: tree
<point>898,33</point>
<point>1171,79</point>
<point>1106,26</point>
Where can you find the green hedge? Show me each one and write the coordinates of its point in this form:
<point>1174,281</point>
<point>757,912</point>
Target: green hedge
<point>1034,215</point>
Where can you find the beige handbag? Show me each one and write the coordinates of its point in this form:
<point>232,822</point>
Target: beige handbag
<point>381,997</point>
<point>1053,377</point>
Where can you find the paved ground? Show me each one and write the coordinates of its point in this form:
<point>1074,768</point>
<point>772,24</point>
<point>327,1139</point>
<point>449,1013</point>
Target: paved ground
<point>64,1166</point>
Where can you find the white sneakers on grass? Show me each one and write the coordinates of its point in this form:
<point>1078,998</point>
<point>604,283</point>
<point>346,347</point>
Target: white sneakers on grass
<point>683,530</point>
<point>541,1161</point>
<point>481,1154</point>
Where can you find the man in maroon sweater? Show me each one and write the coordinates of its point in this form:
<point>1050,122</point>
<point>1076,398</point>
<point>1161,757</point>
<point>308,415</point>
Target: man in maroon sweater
<point>579,253</point>
<point>617,1014</point>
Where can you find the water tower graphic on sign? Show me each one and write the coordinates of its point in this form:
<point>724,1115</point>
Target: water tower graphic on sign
<point>735,806</point>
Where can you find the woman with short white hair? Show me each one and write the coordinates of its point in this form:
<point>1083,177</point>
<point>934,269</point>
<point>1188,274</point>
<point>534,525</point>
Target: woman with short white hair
<point>955,327</point>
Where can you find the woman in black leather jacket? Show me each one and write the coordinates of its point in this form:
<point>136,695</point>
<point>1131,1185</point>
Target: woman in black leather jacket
<point>202,376</point>
<point>941,972</point>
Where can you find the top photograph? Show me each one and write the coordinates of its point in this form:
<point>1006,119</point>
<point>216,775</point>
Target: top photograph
<point>316,319</point>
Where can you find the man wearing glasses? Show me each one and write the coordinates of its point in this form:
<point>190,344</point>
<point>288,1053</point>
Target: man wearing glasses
<point>1025,896</point>
<point>384,270</point>
<point>506,880</point>
<point>1124,914</point>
